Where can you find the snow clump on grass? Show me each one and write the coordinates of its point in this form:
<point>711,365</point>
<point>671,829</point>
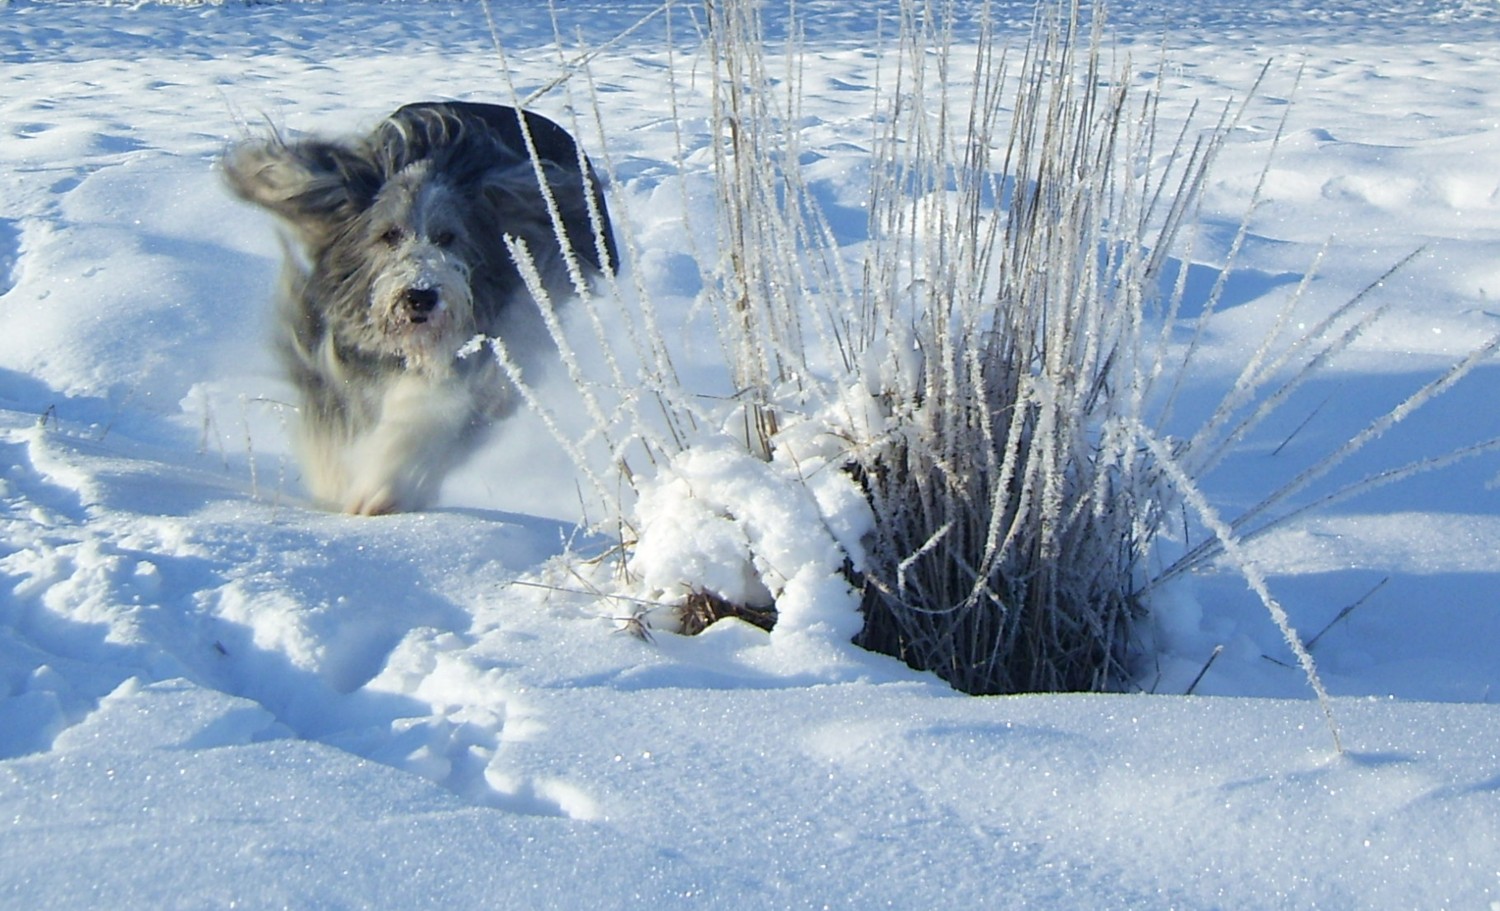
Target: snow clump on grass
<point>764,534</point>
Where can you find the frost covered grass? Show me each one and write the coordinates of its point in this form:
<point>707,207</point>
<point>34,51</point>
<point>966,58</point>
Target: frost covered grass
<point>1026,485</point>
<point>993,361</point>
<point>965,399</point>
<point>1014,510</point>
<point>955,445</point>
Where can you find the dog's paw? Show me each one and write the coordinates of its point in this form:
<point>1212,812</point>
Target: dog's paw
<point>380,502</point>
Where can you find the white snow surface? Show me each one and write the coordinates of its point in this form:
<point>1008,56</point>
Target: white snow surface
<point>214,696</point>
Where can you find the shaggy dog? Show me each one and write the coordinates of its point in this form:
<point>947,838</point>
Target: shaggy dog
<point>401,253</point>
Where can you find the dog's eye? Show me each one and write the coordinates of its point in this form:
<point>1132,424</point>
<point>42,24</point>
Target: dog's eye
<point>391,236</point>
<point>444,238</point>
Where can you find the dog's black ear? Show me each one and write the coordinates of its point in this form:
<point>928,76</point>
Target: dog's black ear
<point>315,186</point>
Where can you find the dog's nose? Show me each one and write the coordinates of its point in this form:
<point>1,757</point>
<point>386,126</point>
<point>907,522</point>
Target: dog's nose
<point>420,302</point>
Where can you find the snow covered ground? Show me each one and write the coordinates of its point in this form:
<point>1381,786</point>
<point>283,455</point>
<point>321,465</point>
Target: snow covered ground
<point>212,696</point>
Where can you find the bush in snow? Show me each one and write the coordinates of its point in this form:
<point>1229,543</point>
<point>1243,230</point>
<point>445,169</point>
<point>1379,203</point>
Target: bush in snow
<point>951,446</point>
<point>991,355</point>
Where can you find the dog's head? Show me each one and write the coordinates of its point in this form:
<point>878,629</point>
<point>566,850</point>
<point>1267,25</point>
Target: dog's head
<point>387,257</point>
<point>414,253</point>
<point>403,234</point>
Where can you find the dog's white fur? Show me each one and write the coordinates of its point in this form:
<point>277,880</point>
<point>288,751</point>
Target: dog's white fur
<point>398,258</point>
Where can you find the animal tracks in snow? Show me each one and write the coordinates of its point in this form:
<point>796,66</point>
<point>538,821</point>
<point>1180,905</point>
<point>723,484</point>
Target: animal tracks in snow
<point>120,600</point>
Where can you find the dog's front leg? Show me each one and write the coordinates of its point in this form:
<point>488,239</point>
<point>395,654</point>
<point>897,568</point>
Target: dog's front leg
<point>424,428</point>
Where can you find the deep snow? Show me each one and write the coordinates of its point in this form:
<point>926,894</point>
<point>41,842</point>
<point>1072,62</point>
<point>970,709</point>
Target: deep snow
<point>213,696</point>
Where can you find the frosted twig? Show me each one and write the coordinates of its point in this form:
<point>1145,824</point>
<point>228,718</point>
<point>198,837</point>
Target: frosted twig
<point>1232,548</point>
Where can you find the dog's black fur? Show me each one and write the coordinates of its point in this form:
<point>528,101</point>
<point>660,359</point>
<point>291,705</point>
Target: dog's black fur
<point>398,258</point>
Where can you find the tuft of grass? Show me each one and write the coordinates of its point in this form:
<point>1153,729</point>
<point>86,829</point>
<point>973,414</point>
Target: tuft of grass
<point>1020,259</point>
<point>1000,361</point>
<point>997,364</point>
<point>995,336</point>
